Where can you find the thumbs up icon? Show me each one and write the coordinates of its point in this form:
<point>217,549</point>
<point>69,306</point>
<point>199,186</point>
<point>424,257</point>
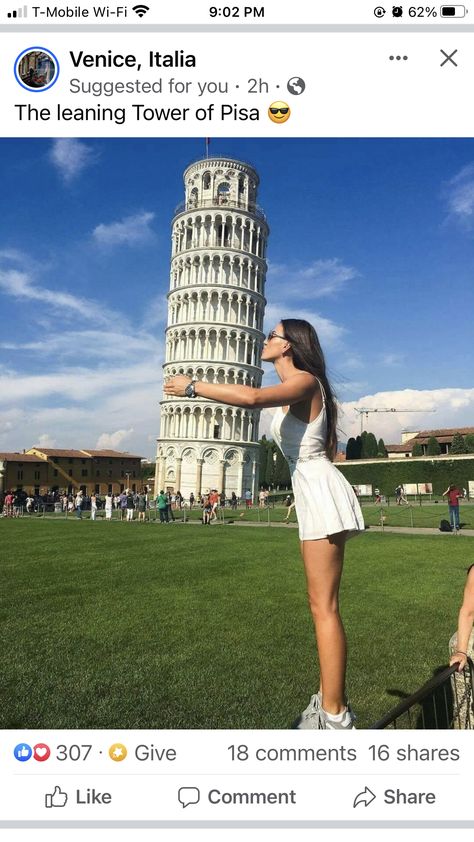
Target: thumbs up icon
<point>56,798</point>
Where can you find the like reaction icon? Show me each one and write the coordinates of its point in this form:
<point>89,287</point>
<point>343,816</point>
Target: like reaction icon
<point>22,752</point>
<point>58,798</point>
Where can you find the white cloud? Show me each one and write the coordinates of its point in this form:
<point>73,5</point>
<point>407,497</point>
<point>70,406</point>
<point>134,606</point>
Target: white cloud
<point>45,440</point>
<point>329,332</point>
<point>98,345</point>
<point>156,312</point>
<point>317,279</point>
<point>20,283</point>
<point>392,360</point>
<point>353,361</point>
<point>130,231</point>
<point>459,196</point>
<point>71,157</point>
<point>112,441</point>
<point>453,408</point>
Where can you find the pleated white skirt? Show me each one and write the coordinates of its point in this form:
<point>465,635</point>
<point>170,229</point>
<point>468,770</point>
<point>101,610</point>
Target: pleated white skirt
<point>325,502</point>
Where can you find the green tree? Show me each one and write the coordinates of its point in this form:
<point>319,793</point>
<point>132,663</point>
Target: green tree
<point>282,471</point>
<point>417,449</point>
<point>270,467</point>
<point>469,442</point>
<point>147,470</point>
<point>363,447</point>
<point>458,445</point>
<point>358,448</point>
<point>381,449</point>
<point>433,448</point>
<point>371,447</point>
<point>351,449</point>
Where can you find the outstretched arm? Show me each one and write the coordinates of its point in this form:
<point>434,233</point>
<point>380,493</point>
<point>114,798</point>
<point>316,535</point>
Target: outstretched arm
<point>297,388</point>
<point>465,620</point>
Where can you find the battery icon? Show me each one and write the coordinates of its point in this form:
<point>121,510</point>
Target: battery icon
<point>453,11</point>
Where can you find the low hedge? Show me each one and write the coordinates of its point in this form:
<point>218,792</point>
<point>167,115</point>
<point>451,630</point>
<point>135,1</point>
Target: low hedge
<point>386,474</point>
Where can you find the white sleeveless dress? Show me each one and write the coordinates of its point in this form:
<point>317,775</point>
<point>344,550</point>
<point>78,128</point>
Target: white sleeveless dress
<point>325,502</point>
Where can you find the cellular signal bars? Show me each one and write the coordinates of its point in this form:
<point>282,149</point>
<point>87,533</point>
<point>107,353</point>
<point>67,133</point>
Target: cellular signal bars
<point>19,13</point>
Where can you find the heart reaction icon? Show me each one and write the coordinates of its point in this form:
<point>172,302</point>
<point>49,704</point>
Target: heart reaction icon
<point>41,751</point>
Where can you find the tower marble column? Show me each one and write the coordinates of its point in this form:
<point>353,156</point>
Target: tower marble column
<point>217,285</point>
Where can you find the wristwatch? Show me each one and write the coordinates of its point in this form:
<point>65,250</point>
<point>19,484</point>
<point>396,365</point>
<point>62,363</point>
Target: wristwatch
<point>190,391</point>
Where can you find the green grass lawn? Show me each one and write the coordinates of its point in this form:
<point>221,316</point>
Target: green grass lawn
<point>112,625</point>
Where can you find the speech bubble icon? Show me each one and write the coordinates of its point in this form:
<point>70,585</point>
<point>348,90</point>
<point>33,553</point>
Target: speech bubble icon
<point>188,795</point>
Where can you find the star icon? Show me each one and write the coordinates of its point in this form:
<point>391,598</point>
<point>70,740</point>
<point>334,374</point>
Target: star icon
<point>117,752</point>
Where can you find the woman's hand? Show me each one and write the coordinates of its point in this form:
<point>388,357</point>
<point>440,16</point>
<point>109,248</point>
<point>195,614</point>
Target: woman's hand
<point>458,658</point>
<point>175,386</point>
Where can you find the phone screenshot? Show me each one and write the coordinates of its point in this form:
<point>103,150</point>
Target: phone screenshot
<point>237,420</point>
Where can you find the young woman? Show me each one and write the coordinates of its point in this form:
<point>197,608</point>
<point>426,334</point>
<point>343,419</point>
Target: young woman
<point>465,621</point>
<point>304,427</point>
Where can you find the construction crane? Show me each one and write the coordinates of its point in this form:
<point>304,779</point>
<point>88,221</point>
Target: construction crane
<point>365,411</point>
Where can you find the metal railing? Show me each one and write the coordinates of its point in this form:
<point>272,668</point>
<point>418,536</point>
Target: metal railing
<point>443,702</point>
<point>221,203</point>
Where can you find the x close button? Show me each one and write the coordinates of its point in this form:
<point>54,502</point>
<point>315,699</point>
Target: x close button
<point>448,58</point>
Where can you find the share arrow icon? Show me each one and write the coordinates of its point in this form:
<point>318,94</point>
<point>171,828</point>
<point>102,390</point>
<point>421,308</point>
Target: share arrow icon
<point>366,797</point>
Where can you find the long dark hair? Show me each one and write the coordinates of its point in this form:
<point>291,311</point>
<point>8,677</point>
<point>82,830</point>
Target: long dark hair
<point>308,356</point>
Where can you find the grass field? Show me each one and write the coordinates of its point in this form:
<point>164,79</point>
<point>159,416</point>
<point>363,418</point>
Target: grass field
<point>150,626</point>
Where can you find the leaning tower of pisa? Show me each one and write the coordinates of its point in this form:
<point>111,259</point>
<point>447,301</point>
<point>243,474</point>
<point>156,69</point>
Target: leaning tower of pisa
<point>215,317</point>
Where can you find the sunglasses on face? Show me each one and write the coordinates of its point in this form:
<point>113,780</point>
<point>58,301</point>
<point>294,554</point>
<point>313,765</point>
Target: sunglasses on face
<point>275,111</point>
<point>273,334</point>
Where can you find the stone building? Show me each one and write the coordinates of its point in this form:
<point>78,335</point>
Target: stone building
<point>42,470</point>
<point>444,437</point>
<point>216,307</point>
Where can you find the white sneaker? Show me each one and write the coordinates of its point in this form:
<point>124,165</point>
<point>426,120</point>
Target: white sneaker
<point>314,717</point>
<point>310,717</point>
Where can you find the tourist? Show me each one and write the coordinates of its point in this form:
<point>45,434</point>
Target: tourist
<point>162,506</point>
<point>123,504</point>
<point>453,494</point>
<point>141,505</point>
<point>93,505</point>
<point>79,502</point>
<point>130,504</point>
<point>191,500</point>
<point>465,620</point>
<point>248,496</point>
<point>108,506</point>
<point>304,428</point>
<point>233,501</point>
<point>291,506</point>
<point>261,498</point>
<point>206,510</point>
<point>214,501</point>
<point>8,504</point>
<point>169,503</point>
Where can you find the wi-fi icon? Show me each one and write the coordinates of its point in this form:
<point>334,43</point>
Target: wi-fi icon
<point>140,10</point>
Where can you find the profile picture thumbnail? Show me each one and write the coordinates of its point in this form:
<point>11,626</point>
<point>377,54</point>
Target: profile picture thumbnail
<point>36,69</point>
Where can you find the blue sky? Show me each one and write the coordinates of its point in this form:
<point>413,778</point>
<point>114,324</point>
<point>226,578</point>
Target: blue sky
<point>371,240</point>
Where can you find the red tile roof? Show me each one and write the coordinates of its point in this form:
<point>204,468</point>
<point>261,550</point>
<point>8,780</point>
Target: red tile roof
<point>18,457</point>
<point>114,453</point>
<point>443,437</point>
<point>81,454</point>
<point>426,434</point>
